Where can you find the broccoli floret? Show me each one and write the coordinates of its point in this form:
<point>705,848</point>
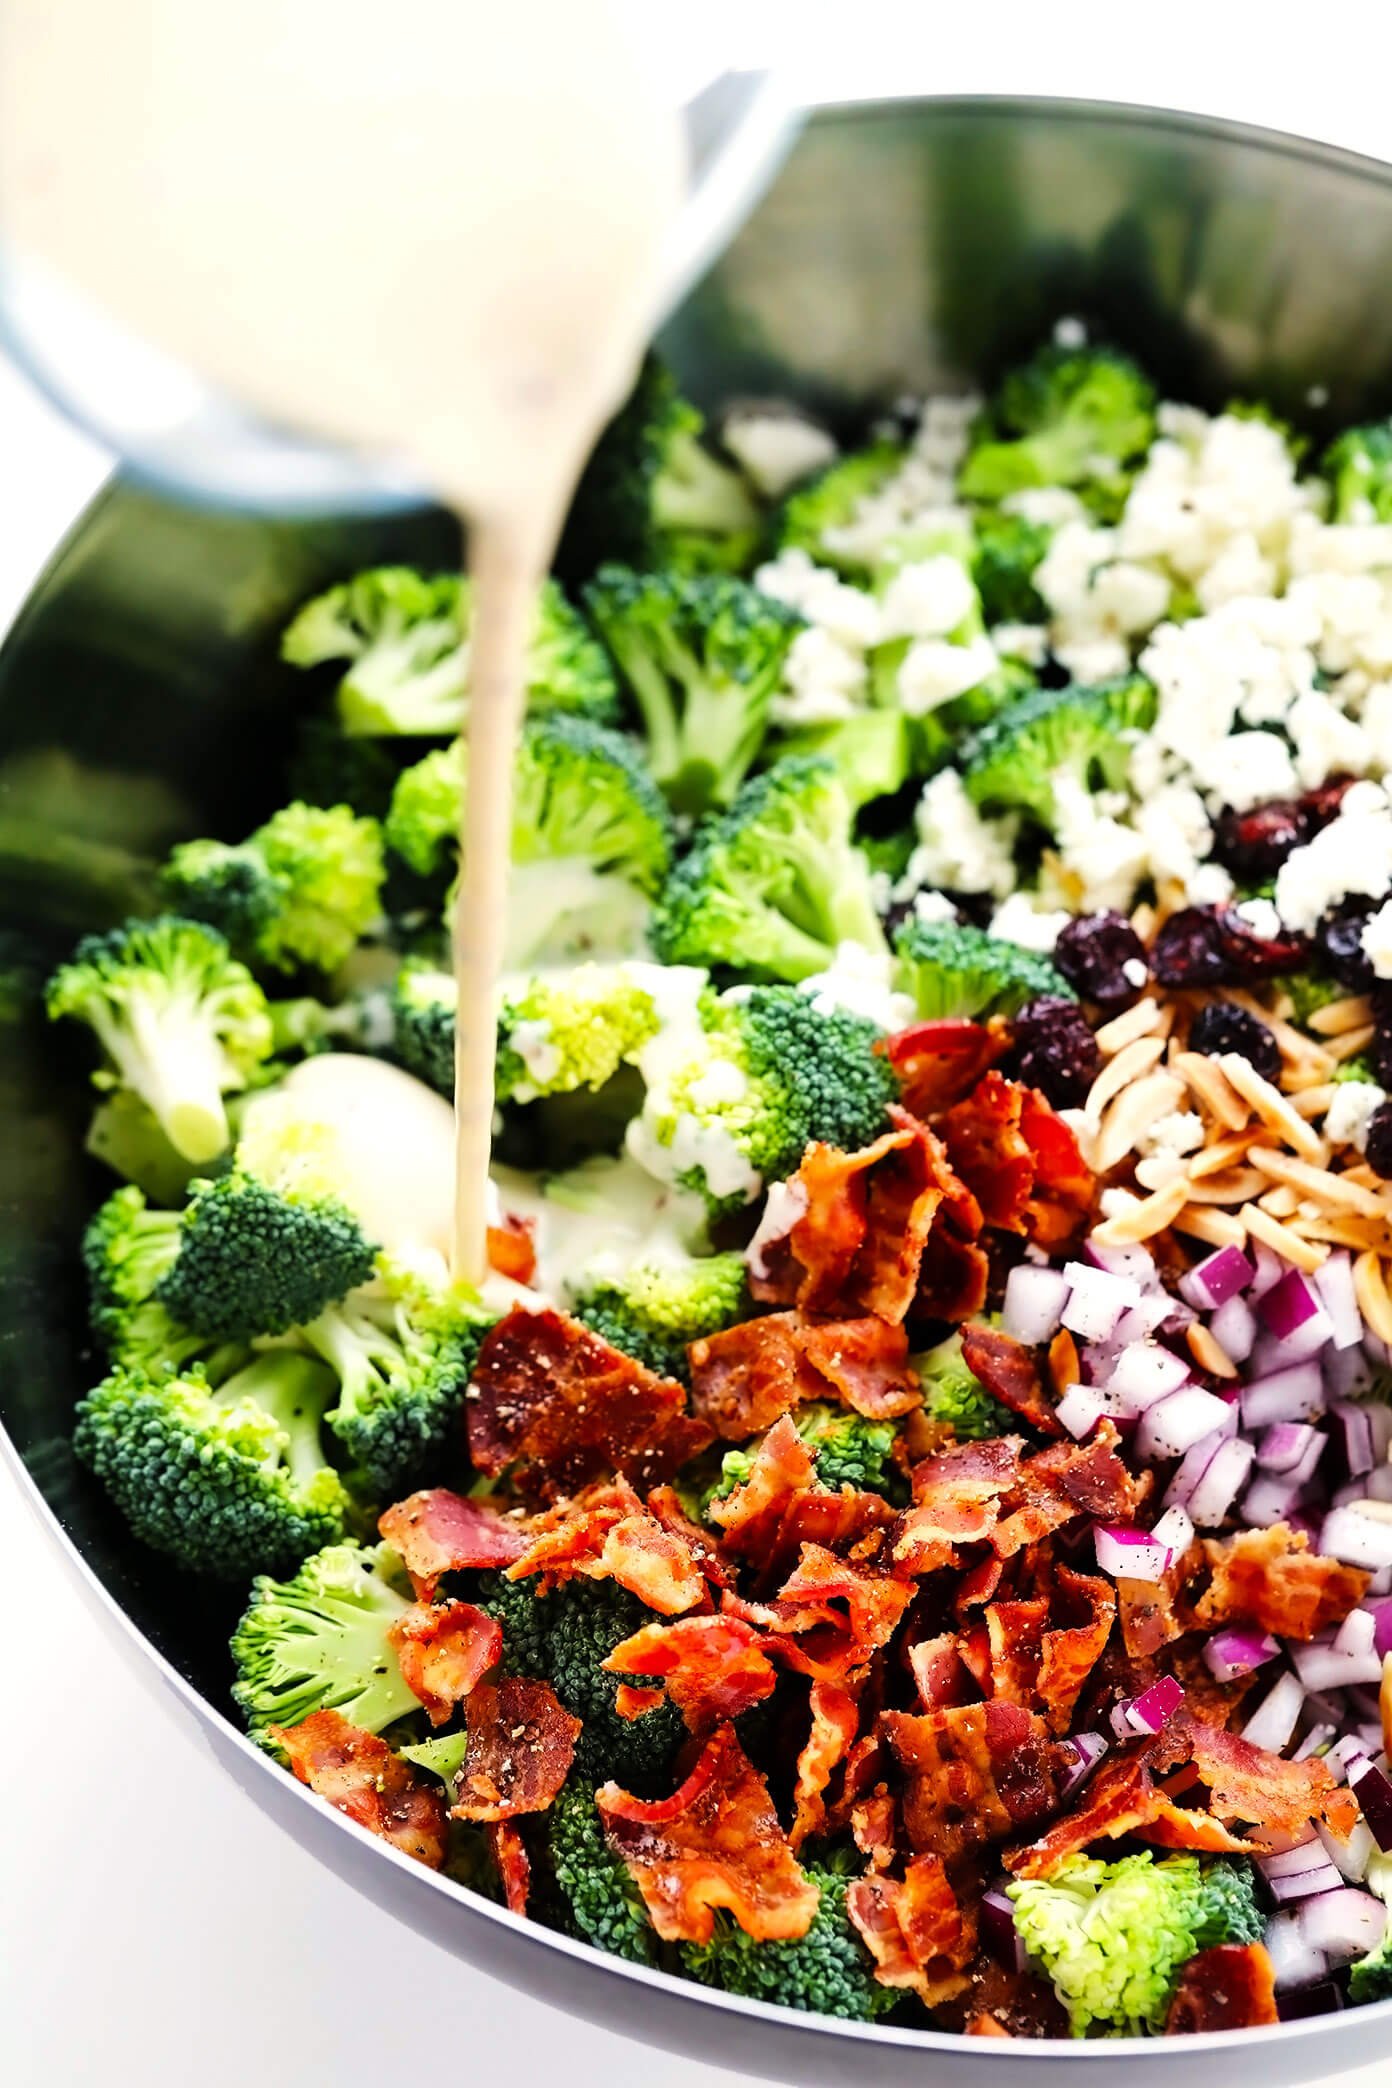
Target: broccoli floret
<point>826,1972</point>
<point>301,890</point>
<point>125,1136</point>
<point>1371,1978</point>
<point>268,1245</point>
<point>181,1022</point>
<point>1009,550</point>
<point>403,1348</point>
<point>525,1619</point>
<point>775,884</point>
<point>952,969</point>
<point>127,1250</point>
<point>653,495</point>
<point>653,1307</point>
<point>329,767</point>
<point>424,1006</point>
<point>1309,993</point>
<point>815,513</point>
<point>702,655</point>
<point>848,1449</point>
<point>954,1395</point>
<point>603,1905</point>
<point>318,1642</point>
<point>442,1756</point>
<point>1358,466</point>
<point>1113,1937</point>
<point>1048,735</point>
<point>766,1073</point>
<point>406,640</point>
<point>1068,417</point>
<point>591,836</point>
<point>230,1478</point>
<point>873,751</point>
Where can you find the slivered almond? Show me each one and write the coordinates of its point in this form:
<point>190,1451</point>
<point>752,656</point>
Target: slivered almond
<point>1281,1201</point>
<point>1233,1186</point>
<point>1370,1288</point>
<point>1352,1042</point>
<point>1308,1255</point>
<point>1143,1220</point>
<point>1209,1354</point>
<point>1312,1102</point>
<point>1147,1017</point>
<point>1358,1233</point>
<point>1205,1080</point>
<point>1317,1182</point>
<point>1216,1228</point>
<point>1145,921</point>
<point>1222,1153</point>
<point>1350,1013</point>
<point>1363,1175</point>
<point>1158,1170</point>
<point>1128,1065</point>
<point>1131,1114</point>
<point>1271,1106</point>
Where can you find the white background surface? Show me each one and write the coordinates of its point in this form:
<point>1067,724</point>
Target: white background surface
<point>154,1928</point>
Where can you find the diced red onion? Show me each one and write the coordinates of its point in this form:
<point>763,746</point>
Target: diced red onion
<point>1234,1328</point>
<point>1379,1608</point>
<point>1196,1463</point>
<point>1327,1667</point>
<point>999,1933</point>
<point>1222,1481</point>
<point>1323,1879</point>
<point>1231,1653</point>
<point>1034,1302</point>
<point>1135,1262</point>
<point>1356,1538</point>
<point>1347,1372</point>
<point>1303,1856</point>
<point>1346,1924</point>
<point>1275,1719</point>
<point>1089,1749</point>
<point>1379,1584</point>
<point>1130,1554</point>
<point>1288,1304</point>
<point>1333,1282</point>
<point>1373,1790</point>
<point>1380,1416</point>
<point>1272,1352</point>
<point>1080,1410</point>
<point>1318,1738</point>
<point>1294,1959</point>
<point>1174,1424</point>
<point>1268,1270</point>
<point>1357,1636</point>
<point>1369,1486</point>
<point>1147,1712</point>
<point>1353,1436</point>
<point>1218,1277</point>
<point>1276,1497</point>
<point>1293,1394</point>
<point>1293,1447</point>
<point>1145,1373</point>
<point>1175,1529</point>
<point>1316,1997</point>
<point>1096,1300</point>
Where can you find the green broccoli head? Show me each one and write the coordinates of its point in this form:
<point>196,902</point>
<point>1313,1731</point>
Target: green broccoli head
<point>848,1449</point>
<point>826,1972</point>
<point>127,1250</point>
<point>952,969</point>
<point>332,767</point>
<point>559,1035</point>
<point>652,1308</point>
<point>302,890</point>
<point>953,1395</point>
<point>653,495</point>
<point>767,1071</point>
<point>268,1245</point>
<point>1083,735</point>
<point>181,1022</point>
<point>874,752</point>
<point>1008,553</point>
<point>405,640</point>
<point>602,1904</point>
<point>815,513</point>
<point>403,1348</point>
<point>422,826</point>
<point>1358,466</point>
<point>1114,1937</point>
<point>1068,417</point>
<point>773,886</point>
<point>424,1007</point>
<point>318,1642</point>
<point>702,655</point>
<point>229,1478</point>
<point>1371,1978</point>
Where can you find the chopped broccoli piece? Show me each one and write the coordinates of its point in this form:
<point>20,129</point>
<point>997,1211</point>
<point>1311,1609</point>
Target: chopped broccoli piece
<point>125,1136</point>
<point>127,1250</point>
<point>328,767</point>
<point>443,1756</point>
<point>318,1642</point>
<point>1009,550</point>
<point>524,1616</point>
<point>653,1307</point>
<point>424,1006</point>
<point>653,495</point>
<point>1309,993</point>
<point>1068,417</point>
<point>826,1972</point>
<point>602,1903</point>
<point>775,884</point>
<point>403,1348</point>
<point>765,1074</point>
<point>301,890</point>
<point>1114,1937</point>
<point>1084,735</point>
<point>1371,1978</point>
<point>872,751</point>
<point>703,655</point>
<point>848,1449</point>
<point>406,641</point>
<point>230,1478</point>
<point>952,969</point>
<point>814,514</point>
<point>954,1395</point>
<point>422,825</point>
<point>1358,466</point>
<point>181,1022</point>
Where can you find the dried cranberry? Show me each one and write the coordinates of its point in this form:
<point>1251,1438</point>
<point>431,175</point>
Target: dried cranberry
<point>1380,1055</point>
<point>1103,959</point>
<point>1323,803</point>
<point>1253,845</point>
<point>1055,1051</point>
<point>1340,937</point>
<point>1223,1026</point>
<point>1253,956</point>
<point>1379,1148</point>
<point>1189,950</point>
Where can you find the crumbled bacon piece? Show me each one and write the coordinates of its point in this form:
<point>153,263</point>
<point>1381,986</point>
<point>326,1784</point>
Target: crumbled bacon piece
<point>1010,1374</point>
<point>941,1674</point>
<point>984,2025</point>
<point>1064,1187</point>
<point>1249,1784</point>
<point>1015,1646</point>
<point>511,1861</point>
<point>521,1746</point>
<point>558,1406</point>
<point>715,1667</point>
<point>1019,1159</point>
<point>1070,1651</point>
<point>954,1275</point>
<point>1272,1580</point>
<point>1150,1620</point>
<point>716,1842</point>
<point>439,1532</point>
<point>835,1716</point>
<point>1231,1987</point>
<point>974,1774</point>
<point>606,1533</point>
<point>745,1378</point>
<point>512,1249</point>
<point>914,1929</point>
<point>752,1515</point>
<point>359,1775</point>
<point>665,1504</point>
<point>1065,1482</point>
<point>957,1498</point>
<point>867,1364</point>
<point>444,1650</point>
<point>830,1642</point>
<point>939,1062</point>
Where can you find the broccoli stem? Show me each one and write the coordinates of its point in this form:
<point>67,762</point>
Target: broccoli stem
<point>695,491</point>
<point>294,1391</point>
<point>170,1057</point>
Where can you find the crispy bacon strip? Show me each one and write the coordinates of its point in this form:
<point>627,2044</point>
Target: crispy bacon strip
<point>984,2025</point>
<point>914,1929</point>
<point>1271,1579</point>
<point>973,1775</point>
<point>1015,1639</point>
<point>990,1152</point>
<point>866,1362</point>
<point>1064,1187</point>
<point>941,1674</point>
<point>939,1062</point>
<point>511,1861</point>
<point>1065,1482</point>
<point>957,1498</point>
<point>521,1746</point>
<point>839,1640</point>
<point>716,1842</point>
<point>745,1378</point>
<point>835,1717</point>
<point>954,1275</point>
<point>715,1667</point>
<point>1010,1373</point>
<point>569,1539</point>
<point>1149,1616</point>
<point>752,1515</point>
<point>359,1775</point>
<point>1070,1652</point>
<point>1248,1783</point>
<point>444,1650</point>
<point>1231,1987</point>
<point>654,1564</point>
<point>439,1532</point>
<point>665,1504</point>
<point>559,1406</point>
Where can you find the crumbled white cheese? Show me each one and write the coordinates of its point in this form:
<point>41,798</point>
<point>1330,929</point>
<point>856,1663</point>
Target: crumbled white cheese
<point>1097,601</point>
<point>1016,641</point>
<point>1245,769</point>
<point>933,906</point>
<point>1355,1104</point>
<point>1180,1132</point>
<point>822,596</point>
<point>933,672</point>
<point>775,449</point>
<point>1261,917</point>
<point>1048,506</point>
<point>1136,972</point>
<point>1206,483</point>
<point>1376,940</point>
<point>1210,885</point>
<point>1352,854</point>
<point>1020,920</point>
<point>1172,822</point>
<point>957,849</point>
<point>861,982</point>
<point>823,680</point>
<point>1106,858</point>
<point>1326,742</point>
<point>928,599</point>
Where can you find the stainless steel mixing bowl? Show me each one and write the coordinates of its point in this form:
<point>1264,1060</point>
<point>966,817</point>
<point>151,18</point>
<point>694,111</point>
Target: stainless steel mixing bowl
<point>907,245</point>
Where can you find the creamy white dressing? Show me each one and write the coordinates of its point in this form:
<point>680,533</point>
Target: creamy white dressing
<point>597,1218</point>
<point>436,237</point>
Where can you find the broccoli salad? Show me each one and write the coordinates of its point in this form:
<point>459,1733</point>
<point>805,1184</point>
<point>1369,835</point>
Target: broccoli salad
<point>904,1530</point>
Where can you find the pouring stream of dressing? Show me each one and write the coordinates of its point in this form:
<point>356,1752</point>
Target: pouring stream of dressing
<point>436,236</point>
